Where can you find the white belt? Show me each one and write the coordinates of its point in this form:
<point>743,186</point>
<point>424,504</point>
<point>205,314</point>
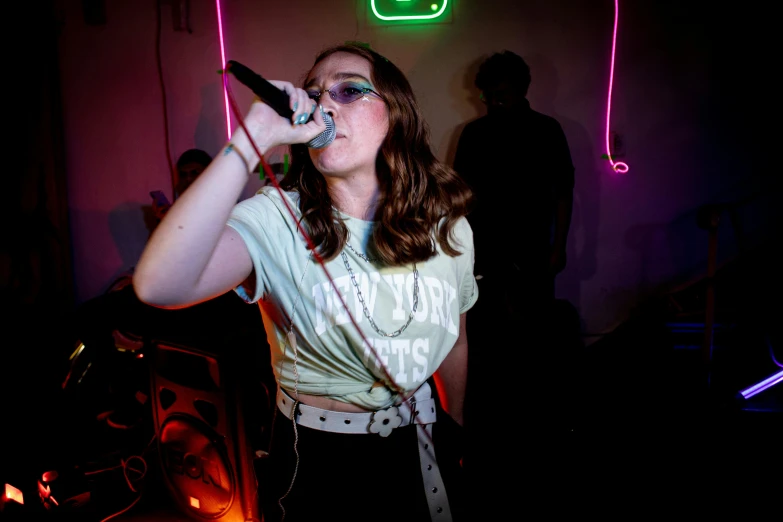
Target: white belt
<point>419,410</point>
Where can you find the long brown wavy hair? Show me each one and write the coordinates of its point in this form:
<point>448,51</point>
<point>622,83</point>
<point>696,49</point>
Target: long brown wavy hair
<point>417,191</point>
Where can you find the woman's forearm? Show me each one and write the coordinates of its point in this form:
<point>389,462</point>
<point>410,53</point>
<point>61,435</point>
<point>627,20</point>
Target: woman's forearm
<point>179,250</point>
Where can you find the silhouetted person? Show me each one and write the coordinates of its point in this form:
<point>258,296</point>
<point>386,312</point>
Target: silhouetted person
<point>518,162</point>
<point>190,165</point>
<point>519,165</point>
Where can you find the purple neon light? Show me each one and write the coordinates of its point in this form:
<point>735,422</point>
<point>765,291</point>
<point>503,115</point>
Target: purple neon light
<point>747,393</point>
<point>619,166</point>
<point>222,64</point>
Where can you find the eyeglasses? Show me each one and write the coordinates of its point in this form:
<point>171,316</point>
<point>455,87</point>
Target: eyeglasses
<point>343,93</point>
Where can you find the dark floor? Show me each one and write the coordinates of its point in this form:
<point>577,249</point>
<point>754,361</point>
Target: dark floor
<point>649,431</point>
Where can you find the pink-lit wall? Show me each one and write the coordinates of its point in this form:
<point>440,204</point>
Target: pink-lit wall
<point>631,234</point>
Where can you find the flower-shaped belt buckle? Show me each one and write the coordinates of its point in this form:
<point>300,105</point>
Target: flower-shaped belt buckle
<point>384,421</point>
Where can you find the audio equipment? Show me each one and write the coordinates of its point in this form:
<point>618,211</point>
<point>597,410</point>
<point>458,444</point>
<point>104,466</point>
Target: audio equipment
<point>205,453</point>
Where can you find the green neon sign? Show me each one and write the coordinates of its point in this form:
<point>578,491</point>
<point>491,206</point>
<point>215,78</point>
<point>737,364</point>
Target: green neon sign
<point>408,10</point>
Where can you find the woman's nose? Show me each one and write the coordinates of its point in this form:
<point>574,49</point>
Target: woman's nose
<point>328,103</point>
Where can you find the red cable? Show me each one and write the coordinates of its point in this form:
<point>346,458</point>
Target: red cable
<point>310,244</point>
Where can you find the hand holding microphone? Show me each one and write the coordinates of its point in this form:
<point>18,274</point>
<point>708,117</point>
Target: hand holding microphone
<point>279,101</point>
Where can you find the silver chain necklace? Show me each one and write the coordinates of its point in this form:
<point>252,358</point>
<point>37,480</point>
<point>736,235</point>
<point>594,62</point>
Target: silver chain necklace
<point>364,306</point>
<point>363,256</point>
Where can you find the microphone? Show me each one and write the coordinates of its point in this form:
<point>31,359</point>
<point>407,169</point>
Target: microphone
<point>278,100</point>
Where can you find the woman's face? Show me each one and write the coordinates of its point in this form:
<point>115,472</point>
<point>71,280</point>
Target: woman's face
<point>361,126</point>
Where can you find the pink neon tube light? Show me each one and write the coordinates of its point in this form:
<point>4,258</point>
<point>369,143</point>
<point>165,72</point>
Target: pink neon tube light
<point>222,64</point>
<point>619,166</point>
<point>757,388</point>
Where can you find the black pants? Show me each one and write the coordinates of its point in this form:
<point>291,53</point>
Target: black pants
<point>356,477</point>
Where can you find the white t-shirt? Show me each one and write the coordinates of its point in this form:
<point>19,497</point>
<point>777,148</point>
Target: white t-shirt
<point>331,357</point>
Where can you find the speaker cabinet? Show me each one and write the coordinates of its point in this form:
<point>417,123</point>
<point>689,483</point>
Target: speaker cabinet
<point>205,454</point>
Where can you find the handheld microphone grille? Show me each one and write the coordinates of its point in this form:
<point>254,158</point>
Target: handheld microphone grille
<point>278,100</point>
<point>327,136</point>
